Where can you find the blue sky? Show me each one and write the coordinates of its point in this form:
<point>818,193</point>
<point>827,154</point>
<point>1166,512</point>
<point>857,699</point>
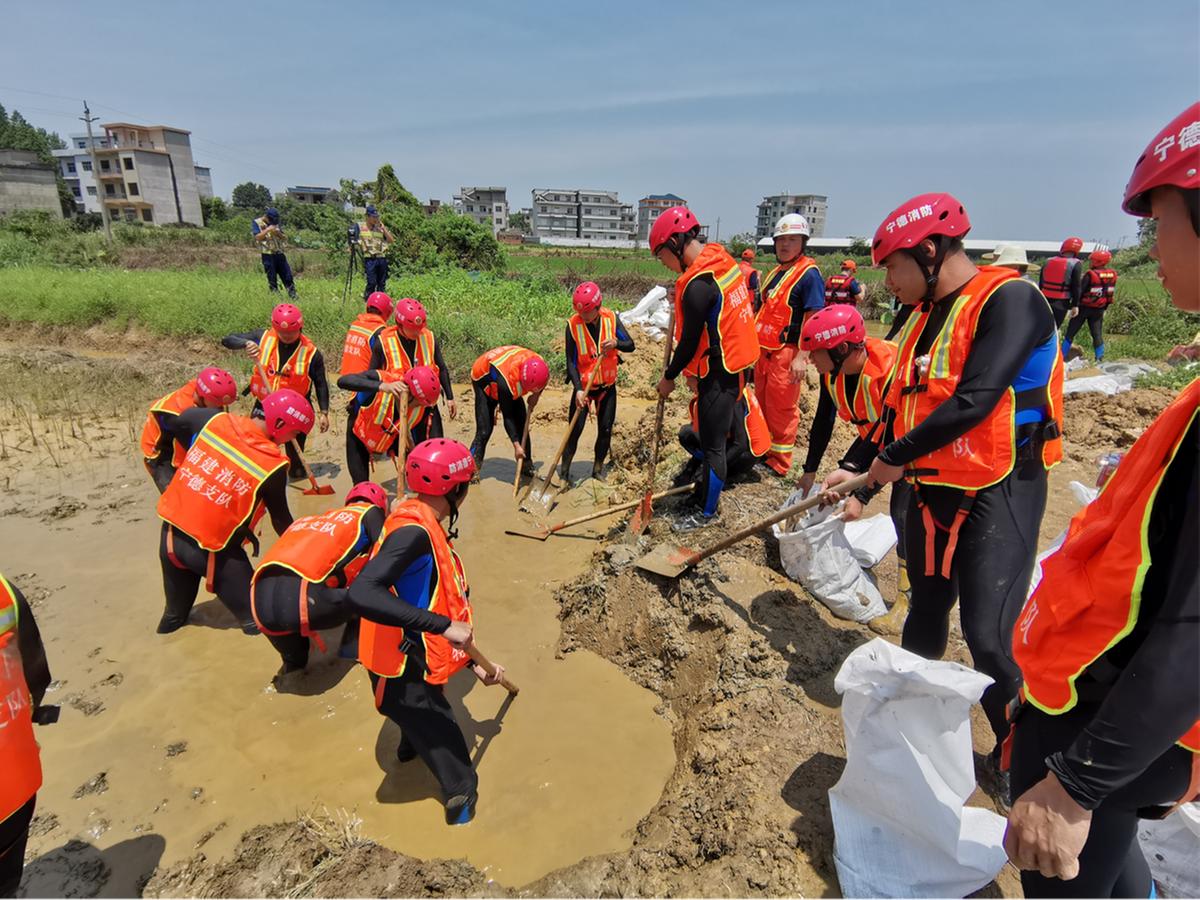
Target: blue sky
<point>1031,112</point>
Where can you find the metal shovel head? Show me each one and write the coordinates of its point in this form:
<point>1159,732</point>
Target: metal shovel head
<point>641,515</point>
<point>542,499</point>
<point>321,490</point>
<point>667,560</point>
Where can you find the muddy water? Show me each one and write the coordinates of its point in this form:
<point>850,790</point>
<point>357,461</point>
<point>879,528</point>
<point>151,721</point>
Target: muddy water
<point>195,747</point>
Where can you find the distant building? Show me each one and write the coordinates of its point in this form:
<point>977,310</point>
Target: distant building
<point>27,183</point>
<point>204,182</point>
<point>486,205</point>
<point>649,208</point>
<point>582,216</point>
<point>432,207</point>
<point>307,194</point>
<point>75,166</point>
<point>771,209</point>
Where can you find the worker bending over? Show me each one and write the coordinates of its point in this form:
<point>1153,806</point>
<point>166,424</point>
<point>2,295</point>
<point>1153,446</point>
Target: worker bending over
<point>502,379</point>
<point>162,454</point>
<point>748,442</point>
<point>362,337</point>
<point>376,426</point>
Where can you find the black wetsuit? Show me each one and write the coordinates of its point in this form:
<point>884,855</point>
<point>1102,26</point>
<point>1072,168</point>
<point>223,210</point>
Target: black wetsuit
<point>997,543</point>
<point>316,371</point>
<point>14,830</point>
<point>231,567</point>
<point>1115,752</point>
<point>739,458</point>
<point>277,600</point>
<point>431,425</point>
<point>1074,287</point>
<point>161,465</point>
<point>405,563</point>
<point>512,410</point>
<point>605,398</point>
<point>358,457</point>
<point>718,390</point>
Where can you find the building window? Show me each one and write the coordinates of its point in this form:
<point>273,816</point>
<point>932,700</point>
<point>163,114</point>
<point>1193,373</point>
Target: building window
<point>147,215</point>
<point>128,163</point>
<point>109,191</point>
<point>133,189</point>
<point>130,214</point>
<point>87,165</point>
<point>92,191</point>
<point>104,165</point>
<point>81,145</point>
<point>71,167</point>
<point>75,190</point>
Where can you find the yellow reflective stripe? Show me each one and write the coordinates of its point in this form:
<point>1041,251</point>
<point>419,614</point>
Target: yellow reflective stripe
<point>237,456</point>
<point>505,356</point>
<point>865,382</point>
<point>725,282</point>
<point>939,362</point>
<point>366,332</point>
<point>782,448</point>
<point>9,612</point>
<point>426,347</point>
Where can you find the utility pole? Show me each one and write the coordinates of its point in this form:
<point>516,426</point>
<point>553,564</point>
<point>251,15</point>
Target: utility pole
<point>87,119</point>
<point>717,239</point>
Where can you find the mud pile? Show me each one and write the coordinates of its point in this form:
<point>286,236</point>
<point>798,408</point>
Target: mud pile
<point>1100,422</point>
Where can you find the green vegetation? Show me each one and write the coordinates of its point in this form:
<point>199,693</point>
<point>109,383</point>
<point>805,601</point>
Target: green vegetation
<point>1176,378</point>
<point>18,134</point>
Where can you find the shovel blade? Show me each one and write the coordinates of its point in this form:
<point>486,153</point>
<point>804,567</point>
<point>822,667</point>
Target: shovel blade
<point>666,560</point>
<point>323,490</point>
<point>641,516</point>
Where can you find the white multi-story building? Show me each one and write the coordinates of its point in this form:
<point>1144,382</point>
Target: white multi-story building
<point>486,205</point>
<point>812,206</point>
<point>579,215</point>
<point>75,164</point>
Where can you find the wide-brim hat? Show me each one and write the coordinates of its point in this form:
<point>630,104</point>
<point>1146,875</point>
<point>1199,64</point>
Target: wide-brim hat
<point>1008,255</point>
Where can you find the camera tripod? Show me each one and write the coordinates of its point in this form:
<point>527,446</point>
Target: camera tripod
<point>349,272</point>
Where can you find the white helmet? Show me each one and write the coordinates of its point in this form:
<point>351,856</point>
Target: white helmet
<point>792,223</point>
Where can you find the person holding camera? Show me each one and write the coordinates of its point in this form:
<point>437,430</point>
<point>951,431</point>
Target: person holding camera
<point>269,239</point>
<point>373,239</point>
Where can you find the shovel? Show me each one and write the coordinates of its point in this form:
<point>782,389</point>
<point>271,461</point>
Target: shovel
<point>671,562</point>
<point>484,663</point>
<point>544,533</point>
<point>320,490</point>
<point>524,443</point>
<point>641,518</point>
<point>543,497</point>
<point>402,447</point>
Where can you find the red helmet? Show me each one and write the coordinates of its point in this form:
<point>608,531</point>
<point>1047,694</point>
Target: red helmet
<point>924,216</point>
<point>287,317</point>
<point>849,265</point>
<point>381,303</point>
<point>747,254</point>
<point>670,222</point>
<point>534,374</point>
<point>288,414</point>
<point>410,313</point>
<point>1171,158</point>
<point>368,491</point>
<point>1071,245</point>
<point>424,386</point>
<point>1100,258</point>
<point>436,466</point>
<point>216,386</point>
<point>587,297</point>
<point>833,326</point>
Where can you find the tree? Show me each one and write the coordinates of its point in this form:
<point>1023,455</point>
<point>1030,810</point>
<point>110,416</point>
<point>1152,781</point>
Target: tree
<point>388,189</point>
<point>1147,231</point>
<point>519,221</point>
<point>213,209</point>
<point>353,192</point>
<point>251,196</point>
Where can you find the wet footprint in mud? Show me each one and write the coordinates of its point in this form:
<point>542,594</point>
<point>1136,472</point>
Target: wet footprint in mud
<point>86,705</point>
<point>97,784</point>
<point>176,749</point>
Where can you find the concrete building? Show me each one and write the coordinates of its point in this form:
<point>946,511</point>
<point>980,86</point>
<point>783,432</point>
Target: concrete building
<point>486,205</point>
<point>75,166</point>
<point>649,208</point>
<point>27,183</point>
<point>308,194</point>
<point>582,217</point>
<point>204,182</point>
<point>811,206</point>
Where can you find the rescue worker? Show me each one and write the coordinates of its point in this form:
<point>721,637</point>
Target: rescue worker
<point>977,394</point>
<point>844,287</point>
<point>746,264</point>
<point>595,336</point>
<point>1061,279</point>
<point>161,453</point>
<point>290,361</point>
<point>299,588</point>
<point>363,335</point>
<point>1010,256</point>
<point>416,620</point>
<point>233,465</point>
<point>856,375</point>
<point>748,441</point>
<point>714,342</point>
<point>510,379</point>
<point>269,239</point>
<point>1109,730</point>
<point>792,291</point>
<point>375,428</point>
<point>1099,291</point>
<point>374,239</point>
<point>24,677</point>
<point>411,342</point>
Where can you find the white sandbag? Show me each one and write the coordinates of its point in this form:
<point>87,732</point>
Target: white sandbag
<point>871,539</point>
<point>900,824</point>
<point>1118,377</point>
<point>1172,848</point>
<point>817,554</point>
<point>652,313</point>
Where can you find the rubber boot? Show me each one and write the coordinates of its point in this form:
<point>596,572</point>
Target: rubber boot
<point>564,471</point>
<point>598,471</point>
<point>460,809</point>
<point>405,751</point>
<point>892,622</point>
<point>1100,354</point>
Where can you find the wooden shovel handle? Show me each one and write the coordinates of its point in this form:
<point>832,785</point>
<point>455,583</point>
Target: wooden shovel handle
<point>562,446</point>
<point>668,346</point>
<point>484,663</point>
<point>524,440</point>
<point>670,492</point>
<point>293,443</point>
<point>402,447</point>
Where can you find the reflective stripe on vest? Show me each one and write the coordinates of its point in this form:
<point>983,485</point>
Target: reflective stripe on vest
<point>274,243</point>
<point>372,241</point>
<point>380,646</point>
<point>588,349</point>
<point>1089,598</point>
<point>356,350</point>
<point>507,360</point>
<point>214,491</point>
<point>1056,277</point>
<point>837,289</point>
<point>22,767</point>
<point>776,313</point>
<point>396,357</point>
<point>1101,288</point>
<point>735,316</point>
<point>865,408</point>
<point>375,425</point>
<point>173,403</point>
<point>313,546</point>
<point>757,433</point>
<point>986,454</point>
<point>294,373</point>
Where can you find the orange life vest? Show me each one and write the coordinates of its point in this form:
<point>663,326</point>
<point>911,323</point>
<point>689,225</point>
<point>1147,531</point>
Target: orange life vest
<point>508,361</point>
<point>173,404</point>
<point>356,351</point>
<point>1090,594</point>
<point>747,270</point>
<point>755,423</point>
<point>735,318</point>
<point>986,454</point>
<point>1056,277</point>
<point>22,767</point>
<point>293,374</point>
<point>215,490</point>
<point>1101,288</point>
<point>837,289</point>
<point>375,425</point>
<point>588,349</point>
<point>313,546</point>
<point>379,646</point>
<point>776,314</point>
<point>396,357</point>
<point>864,409</point>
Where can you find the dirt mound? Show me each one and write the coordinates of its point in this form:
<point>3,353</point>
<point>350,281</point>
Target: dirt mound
<point>1100,422</point>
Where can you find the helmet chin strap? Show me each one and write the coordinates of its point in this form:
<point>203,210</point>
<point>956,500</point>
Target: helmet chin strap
<point>932,268</point>
<point>451,500</point>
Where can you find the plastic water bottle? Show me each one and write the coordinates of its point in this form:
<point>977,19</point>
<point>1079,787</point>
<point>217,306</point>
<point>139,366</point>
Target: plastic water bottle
<point>1107,465</point>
